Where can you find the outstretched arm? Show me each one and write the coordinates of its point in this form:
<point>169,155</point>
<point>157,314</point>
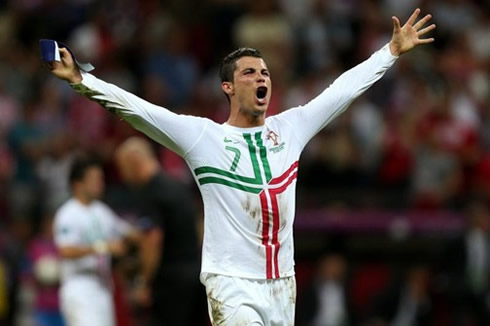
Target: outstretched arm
<point>308,120</point>
<point>177,132</point>
<point>407,37</point>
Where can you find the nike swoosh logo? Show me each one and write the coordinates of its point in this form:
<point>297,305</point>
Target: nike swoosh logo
<point>227,140</point>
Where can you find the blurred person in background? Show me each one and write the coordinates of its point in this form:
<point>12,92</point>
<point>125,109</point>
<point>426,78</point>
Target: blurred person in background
<point>437,177</point>
<point>249,199</point>
<point>173,67</point>
<point>465,269</point>
<point>10,252</point>
<point>169,250</point>
<point>325,301</point>
<point>53,169</point>
<point>27,143</point>
<point>87,233</point>
<point>13,246</point>
<point>407,302</point>
<point>44,276</point>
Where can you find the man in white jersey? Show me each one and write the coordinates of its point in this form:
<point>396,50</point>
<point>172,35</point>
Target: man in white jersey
<point>246,170</point>
<point>87,233</point>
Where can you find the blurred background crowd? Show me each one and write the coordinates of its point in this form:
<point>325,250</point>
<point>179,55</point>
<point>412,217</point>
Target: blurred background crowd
<point>391,194</point>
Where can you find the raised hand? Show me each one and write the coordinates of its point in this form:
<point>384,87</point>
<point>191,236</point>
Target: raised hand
<point>65,69</point>
<point>407,37</point>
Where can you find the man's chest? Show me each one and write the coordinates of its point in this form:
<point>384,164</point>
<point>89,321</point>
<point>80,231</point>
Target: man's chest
<point>93,226</point>
<point>248,161</point>
<point>249,153</point>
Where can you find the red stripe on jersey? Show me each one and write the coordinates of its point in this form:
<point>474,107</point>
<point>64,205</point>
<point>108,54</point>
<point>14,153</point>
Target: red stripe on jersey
<point>284,186</point>
<point>275,220</point>
<point>265,234</point>
<point>283,176</point>
<point>275,231</point>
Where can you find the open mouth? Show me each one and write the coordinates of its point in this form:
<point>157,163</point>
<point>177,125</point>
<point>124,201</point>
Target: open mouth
<point>261,93</point>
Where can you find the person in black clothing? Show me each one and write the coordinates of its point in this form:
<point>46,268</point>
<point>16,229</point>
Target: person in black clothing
<point>169,251</point>
<point>465,269</point>
<point>325,300</point>
<point>407,302</point>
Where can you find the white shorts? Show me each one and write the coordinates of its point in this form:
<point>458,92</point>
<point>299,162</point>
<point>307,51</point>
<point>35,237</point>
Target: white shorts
<point>235,301</point>
<point>85,302</point>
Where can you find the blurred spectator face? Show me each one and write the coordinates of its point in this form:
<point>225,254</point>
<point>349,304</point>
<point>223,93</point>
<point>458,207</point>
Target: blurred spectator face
<point>332,268</point>
<point>92,184</point>
<point>479,217</point>
<point>418,281</point>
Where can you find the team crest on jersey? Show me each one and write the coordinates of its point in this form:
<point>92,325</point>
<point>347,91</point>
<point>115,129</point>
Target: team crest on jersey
<point>277,144</point>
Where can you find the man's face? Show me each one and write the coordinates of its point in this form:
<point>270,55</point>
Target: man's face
<point>92,183</point>
<point>251,86</point>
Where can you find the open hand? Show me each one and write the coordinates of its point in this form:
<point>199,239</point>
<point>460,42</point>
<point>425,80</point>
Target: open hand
<point>406,37</point>
<point>65,69</point>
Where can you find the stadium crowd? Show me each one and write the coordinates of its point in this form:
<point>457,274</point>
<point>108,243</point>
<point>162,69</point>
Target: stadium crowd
<point>419,140</point>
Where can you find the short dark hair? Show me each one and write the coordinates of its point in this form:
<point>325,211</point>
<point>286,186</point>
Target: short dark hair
<point>80,166</point>
<point>228,65</point>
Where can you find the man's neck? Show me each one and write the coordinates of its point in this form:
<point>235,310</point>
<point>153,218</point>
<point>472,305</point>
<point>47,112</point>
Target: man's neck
<point>84,200</point>
<point>246,120</point>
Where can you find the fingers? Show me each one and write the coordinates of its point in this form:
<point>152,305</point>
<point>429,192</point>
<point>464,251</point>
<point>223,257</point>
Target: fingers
<point>422,22</point>
<point>413,17</point>
<point>425,40</point>
<point>48,65</point>
<point>52,65</point>
<point>396,24</point>
<point>64,54</point>
<point>66,57</point>
<point>425,30</point>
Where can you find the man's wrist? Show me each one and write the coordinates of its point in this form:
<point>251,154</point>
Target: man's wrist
<point>395,51</point>
<point>76,79</point>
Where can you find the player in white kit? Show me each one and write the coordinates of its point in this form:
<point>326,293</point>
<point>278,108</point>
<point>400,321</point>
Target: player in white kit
<point>246,170</point>
<point>87,233</point>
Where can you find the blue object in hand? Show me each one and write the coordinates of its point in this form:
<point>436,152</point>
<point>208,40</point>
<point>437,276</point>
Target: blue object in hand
<point>50,52</point>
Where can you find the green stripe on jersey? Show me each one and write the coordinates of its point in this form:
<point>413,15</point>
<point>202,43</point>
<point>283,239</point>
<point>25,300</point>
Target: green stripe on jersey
<point>263,157</point>
<point>253,155</point>
<point>250,182</point>
<point>210,169</point>
<point>207,180</point>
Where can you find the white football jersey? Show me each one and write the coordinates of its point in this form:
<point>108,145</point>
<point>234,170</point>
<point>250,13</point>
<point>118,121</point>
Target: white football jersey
<point>247,176</point>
